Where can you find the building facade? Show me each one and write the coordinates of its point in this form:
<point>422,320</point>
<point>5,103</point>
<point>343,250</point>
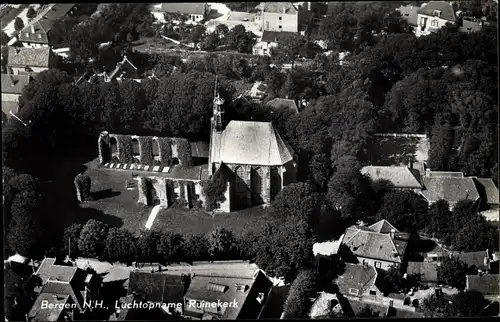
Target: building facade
<point>433,16</point>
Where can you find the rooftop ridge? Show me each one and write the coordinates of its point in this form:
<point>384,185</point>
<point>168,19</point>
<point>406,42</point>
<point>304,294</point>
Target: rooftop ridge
<point>225,276</point>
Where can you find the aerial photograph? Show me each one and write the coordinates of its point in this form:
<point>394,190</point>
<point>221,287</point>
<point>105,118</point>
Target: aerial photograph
<point>250,160</point>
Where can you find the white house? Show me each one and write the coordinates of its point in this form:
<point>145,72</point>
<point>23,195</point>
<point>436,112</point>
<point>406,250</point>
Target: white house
<point>434,15</point>
<point>270,39</point>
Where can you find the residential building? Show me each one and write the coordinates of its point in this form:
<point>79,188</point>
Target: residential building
<point>278,105</point>
<point>448,188</point>
<point>488,192</point>
<point>124,70</point>
<point>27,61</point>
<point>269,39</point>
<point>15,276</point>
<point>380,245</point>
<point>484,261</point>
<point>324,305</point>
<point>12,89</point>
<point>436,255</point>
<point>196,12</point>
<point>359,281</point>
<point>434,15</point>
<point>278,16</point>
<point>426,270</point>
<point>57,307</point>
<point>487,284</point>
<point>400,177</point>
<point>410,14</point>
<point>226,297</point>
<point>36,34</point>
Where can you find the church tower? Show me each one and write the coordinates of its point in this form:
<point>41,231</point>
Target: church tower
<point>218,114</point>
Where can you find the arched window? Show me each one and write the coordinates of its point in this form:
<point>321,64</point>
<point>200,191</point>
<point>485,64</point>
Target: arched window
<point>275,182</point>
<point>257,185</point>
<point>135,149</point>
<point>114,145</point>
<point>240,188</point>
<point>156,149</point>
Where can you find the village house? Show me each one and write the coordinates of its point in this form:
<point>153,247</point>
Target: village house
<point>488,192</point>
<point>380,245</point>
<point>279,105</point>
<point>278,16</point>
<point>269,39</point>
<point>433,16</point>
<point>427,272</point>
<point>400,177</point>
<point>325,305</point>
<point>196,12</point>
<point>12,89</point>
<point>486,284</point>
<point>37,32</point>
<point>124,70</point>
<point>29,61</point>
<point>239,297</point>
<point>61,284</point>
<point>409,13</point>
<point>483,261</point>
<point>359,280</point>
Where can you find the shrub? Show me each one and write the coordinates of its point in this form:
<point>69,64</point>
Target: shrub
<point>184,152</point>
<point>92,239</point>
<point>18,24</point>
<point>83,184</point>
<point>146,186</point>
<point>297,305</point>
<point>126,154</point>
<point>214,189</point>
<point>146,145</point>
<point>31,13</point>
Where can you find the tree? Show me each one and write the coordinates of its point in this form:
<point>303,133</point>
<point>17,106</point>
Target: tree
<point>130,38</point>
<point>438,306</point>
<point>469,303</point>
<point>239,39</point>
<point>92,241</point>
<point>83,184</point>
<point>210,42</point>
<point>147,246</point>
<point>214,190</point>
<point>404,209</point>
<point>298,303</point>
<point>368,312</point>
<point>222,243</point>
<point>171,247</point>
<point>196,247</point>
<point>4,38</point>
<point>221,30</point>
<point>476,235</point>
<point>31,13</point>
<point>299,201</point>
<point>70,240</point>
<point>452,272</point>
<point>198,33</point>
<point>290,47</point>
<point>18,24</point>
<point>441,147</point>
<point>439,218</point>
<point>393,280</point>
<point>120,245</point>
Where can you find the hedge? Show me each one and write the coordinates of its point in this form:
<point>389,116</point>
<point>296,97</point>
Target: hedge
<point>180,201</point>
<point>184,152</point>
<point>83,184</point>
<point>125,152</point>
<point>214,189</point>
<point>146,147</point>
<point>146,185</point>
<point>165,146</point>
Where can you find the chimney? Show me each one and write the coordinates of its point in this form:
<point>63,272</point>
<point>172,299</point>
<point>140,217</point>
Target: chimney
<point>494,257</point>
<point>284,10</point>
<point>392,233</point>
<point>32,29</point>
<point>410,164</point>
<point>309,6</point>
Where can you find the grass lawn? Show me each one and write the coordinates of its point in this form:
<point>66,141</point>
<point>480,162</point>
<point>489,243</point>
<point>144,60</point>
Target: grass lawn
<point>186,221</point>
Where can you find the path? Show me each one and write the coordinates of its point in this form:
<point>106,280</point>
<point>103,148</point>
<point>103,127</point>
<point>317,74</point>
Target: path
<point>152,216</point>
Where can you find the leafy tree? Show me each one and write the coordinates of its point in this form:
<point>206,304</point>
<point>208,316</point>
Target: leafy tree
<point>469,303</point>
<point>83,183</point>
<point>221,30</point>
<point>18,24</point>
<point>31,13</point>
<point>239,39</point>
<point>434,306</point>
<point>298,303</point>
<point>441,147</point>
<point>210,42</point>
<point>198,33</point>
<point>70,240</point>
<point>120,245</point>
<point>290,47</point>
<point>439,218</point>
<point>368,312</point>
<point>452,272</point>
<point>406,210</point>
<point>171,247</point>
<point>477,234</point>
<point>148,246</point>
<point>222,243</point>
<point>299,201</point>
<point>4,38</point>
<point>196,247</point>
<point>92,241</point>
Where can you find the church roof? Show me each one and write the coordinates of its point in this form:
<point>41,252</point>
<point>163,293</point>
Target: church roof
<point>248,142</point>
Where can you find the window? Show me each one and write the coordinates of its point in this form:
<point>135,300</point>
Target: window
<point>279,18</point>
<point>353,291</point>
<point>378,264</point>
<point>27,34</point>
<point>423,21</point>
<point>434,23</point>
<point>39,36</point>
<point>279,27</point>
<point>365,262</point>
<point>372,292</point>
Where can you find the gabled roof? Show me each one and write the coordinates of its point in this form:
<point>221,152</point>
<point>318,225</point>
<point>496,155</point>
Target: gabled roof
<point>44,22</point>
<point>476,259</point>
<point>487,284</point>
<point>359,277</point>
<point>55,304</point>
<point>200,149</point>
<point>157,287</point>
<point>382,226</point>
<point>23,56</point>
<point>446,174</point>
<point>243,290</point>
<point>409,13</point>
<point>487,189</point>
<point>449,189</point>
<point>401,177</point>
<point>444,7</point>
<point>64,288</point>
<point>184,8</point>
<point>49,270</point>
<point>125,63</point>
<point>10,106</point>
<point>14,84</point>
<point>426,270</point>
<point>365,242</point>
<point>277,7</point>
<point>470,26</point>
<point>275,36</point>
<point>248,142</point>
<point>283,104</point>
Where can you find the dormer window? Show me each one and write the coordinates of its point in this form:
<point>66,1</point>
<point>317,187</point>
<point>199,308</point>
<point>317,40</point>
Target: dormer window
<point>27,34</point>
<point>39,36</point>
<point>436,13</point>
<point>260,297</point>
<point>353,291</point>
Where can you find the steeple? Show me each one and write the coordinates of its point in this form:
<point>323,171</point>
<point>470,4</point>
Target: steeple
<point>218,117</point>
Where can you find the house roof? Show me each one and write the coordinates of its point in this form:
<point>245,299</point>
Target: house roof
<point>446,174</point>
<point>49,270</point>
<point>275,36</point>
<point>243,290</point>
<point>409,13</point>
<point>487,284</point>
<point>200,149</point>
<point>360,277</point>
<point>323,304</point>
<point>120,65</point>
<point>44,22</point>
<point>449,189</point>
<point>54,308</point>
<point>184,8</point>
<point>14,84</point>
<point>445,7</point>
<point>365,242</point>
<point>248,142</point>
<point>382,226</point>
<point>401,177</point>
<point>470,26</point>
<point>278,7</point>
<point>23,56</point>
<point>157,287</point>
<point>487,189</point>
<point>476,259</point>
<point>427,271</point>
<point>283,104</point>
<point>327,248</point>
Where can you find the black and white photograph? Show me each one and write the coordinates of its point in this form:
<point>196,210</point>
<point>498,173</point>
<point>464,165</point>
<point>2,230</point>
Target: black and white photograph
<point>250,160</point>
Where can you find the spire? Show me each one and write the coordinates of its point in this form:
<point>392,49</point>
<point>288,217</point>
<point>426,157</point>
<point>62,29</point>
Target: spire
<point>218,117</point>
